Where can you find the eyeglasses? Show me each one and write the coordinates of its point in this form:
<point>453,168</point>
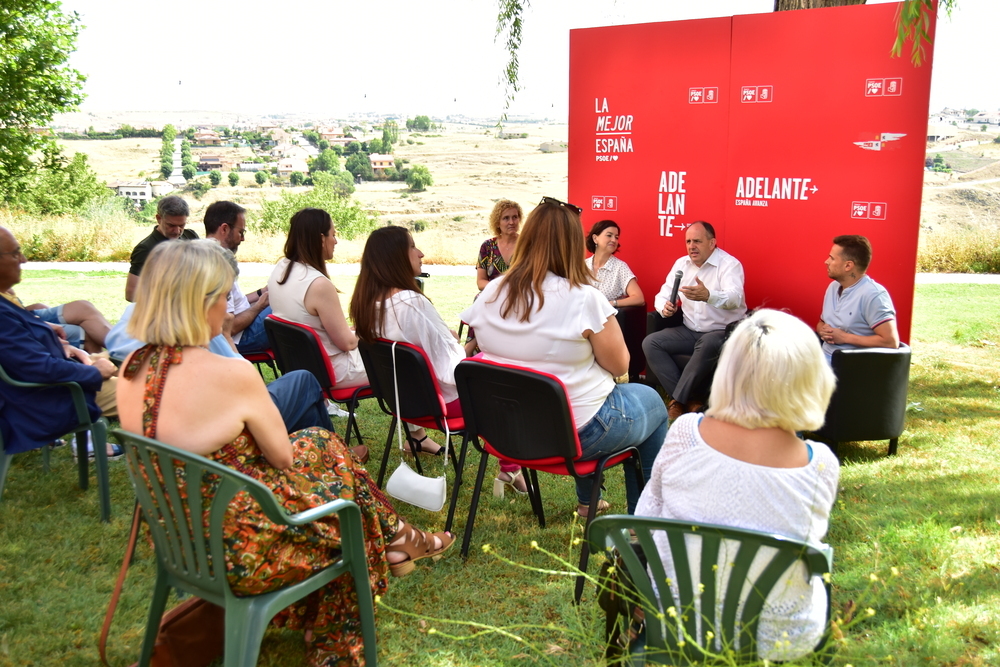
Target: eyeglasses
<point>556,202</point>
<point>15,253</point>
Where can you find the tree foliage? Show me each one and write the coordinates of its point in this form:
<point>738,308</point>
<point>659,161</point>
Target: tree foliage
<point>329,195</point>
<point>361,166</point>
<point>260,177</point>
<point>296,178</point>
<point>188,172</point>
<point>326,161</point>
<point>215,176</point>
<point>419,177</point>
<point>60,186</point>
<point>36,39</point>
<point>420,123</point>
<point>169,133</point>
<point>234,179</point>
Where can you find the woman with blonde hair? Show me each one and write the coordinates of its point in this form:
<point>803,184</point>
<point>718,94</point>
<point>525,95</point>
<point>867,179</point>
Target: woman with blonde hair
<point>496,252</point>
<point>176,391</point>
<point>741,464</point>
<point>545,315</point>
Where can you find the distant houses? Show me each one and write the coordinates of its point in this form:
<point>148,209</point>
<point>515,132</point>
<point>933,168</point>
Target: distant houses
<point>207,138</point>
<point>141,192</point>
<point>381,162</point>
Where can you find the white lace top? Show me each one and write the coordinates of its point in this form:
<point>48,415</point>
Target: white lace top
<point>693,481</point>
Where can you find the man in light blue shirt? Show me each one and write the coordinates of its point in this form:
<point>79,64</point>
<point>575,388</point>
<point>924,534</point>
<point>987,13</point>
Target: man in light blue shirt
<point>857,311</point>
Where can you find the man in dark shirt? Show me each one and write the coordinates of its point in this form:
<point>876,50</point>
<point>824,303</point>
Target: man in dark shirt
<point>171,217</point>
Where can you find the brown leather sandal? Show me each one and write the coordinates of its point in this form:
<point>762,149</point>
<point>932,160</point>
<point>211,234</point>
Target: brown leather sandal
<point>416,544</point>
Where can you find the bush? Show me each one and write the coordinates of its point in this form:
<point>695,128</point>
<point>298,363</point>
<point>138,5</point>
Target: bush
<point>349,217</point>
<point>234,179</point>
<point>188,172</point>
<point>215,177</point>
<point>960,252</point>
<point>260,177</point>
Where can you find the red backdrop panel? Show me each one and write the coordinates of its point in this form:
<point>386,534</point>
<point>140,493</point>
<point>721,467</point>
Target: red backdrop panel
<point>813,131</point>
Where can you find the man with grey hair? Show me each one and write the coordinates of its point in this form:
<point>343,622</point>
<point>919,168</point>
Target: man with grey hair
<point>171,217</point>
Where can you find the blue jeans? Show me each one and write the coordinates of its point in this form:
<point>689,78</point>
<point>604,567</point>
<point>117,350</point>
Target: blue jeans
<point>254,338</point>
<point>300,401</point>
<point>633,415</point>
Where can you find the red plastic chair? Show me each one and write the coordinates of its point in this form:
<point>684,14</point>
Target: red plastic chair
<point>298,347</point>
<point>262,358</point>
<point>421,402</point>
<point>524,416</point>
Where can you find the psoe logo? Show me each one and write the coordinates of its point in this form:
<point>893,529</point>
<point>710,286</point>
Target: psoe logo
<point>869,210</point>
<point>756,94</point>
<point>880,143</point>
<point>891,87</point>
<point>603,203</point>
<point>703,95</point>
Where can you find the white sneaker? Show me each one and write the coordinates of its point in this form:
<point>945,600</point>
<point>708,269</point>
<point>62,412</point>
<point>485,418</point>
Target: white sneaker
<point>334,410</point>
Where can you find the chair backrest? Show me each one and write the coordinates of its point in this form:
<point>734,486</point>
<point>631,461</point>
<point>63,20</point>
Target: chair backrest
<point>869,402</point>
<point>687,618</point>
<point>178,512</point>
<point>419,392</point>
<point>519,413</point>
<point>297,347</point>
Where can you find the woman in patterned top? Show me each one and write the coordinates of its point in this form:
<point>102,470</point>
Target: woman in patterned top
<point>611,275</point>
<point>178,392</point>
<point>495,253</point>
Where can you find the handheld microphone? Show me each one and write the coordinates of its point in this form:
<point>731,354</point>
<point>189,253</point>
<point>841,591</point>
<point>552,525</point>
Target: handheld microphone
<point>677,285</point>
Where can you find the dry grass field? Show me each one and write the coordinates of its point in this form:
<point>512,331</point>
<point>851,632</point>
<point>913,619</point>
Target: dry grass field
<point>472,169</point>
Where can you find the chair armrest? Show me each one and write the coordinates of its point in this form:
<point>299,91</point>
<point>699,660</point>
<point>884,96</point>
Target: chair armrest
<point>75,390</point>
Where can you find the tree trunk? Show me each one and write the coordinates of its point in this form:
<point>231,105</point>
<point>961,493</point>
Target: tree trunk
<point>784,5</point>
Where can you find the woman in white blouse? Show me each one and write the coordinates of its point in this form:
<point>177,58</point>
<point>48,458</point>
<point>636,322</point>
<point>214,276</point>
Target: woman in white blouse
<point>545,315</point>
<point>741,464</point>
<point>611,275</point>
<point>387,303</point>
<point>301,291</point>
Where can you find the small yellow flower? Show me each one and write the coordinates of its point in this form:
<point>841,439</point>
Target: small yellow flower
<point>873,576</point>
<point>895,571</point>
<point>870,611</point>
<point>378,598</point>
<point>701,587</point>
<point>709,636</point>
<point>576,541</point>
<point>487,548</point>
<point>534,544</point>
<point>682,643</point>
<point>672,612</point>
<point>826,577</point>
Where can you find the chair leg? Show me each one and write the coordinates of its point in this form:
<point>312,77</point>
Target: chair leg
<point>156,606</point>
<point>892,446</point>
<point>595,499</point>
<point>458,483</point>
<point>4,467</point>
<point>473,505</point>
<point>83,461</point>
<point>385,454</point>
<point>535,496</point>
<point>244,633</point>
<point>99,436</point>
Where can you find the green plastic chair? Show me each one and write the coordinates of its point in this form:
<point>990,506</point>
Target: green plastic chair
<point>663,643</point>
<point>184,552</point>
<point>99,435</point>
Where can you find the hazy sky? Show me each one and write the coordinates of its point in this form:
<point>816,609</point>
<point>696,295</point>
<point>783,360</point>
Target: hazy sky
<point>437,57</point>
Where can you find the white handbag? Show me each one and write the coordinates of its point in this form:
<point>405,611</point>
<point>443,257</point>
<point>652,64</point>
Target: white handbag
<point>406,484</point>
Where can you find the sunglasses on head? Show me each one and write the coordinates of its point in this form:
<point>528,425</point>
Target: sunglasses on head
<point>556,202</point>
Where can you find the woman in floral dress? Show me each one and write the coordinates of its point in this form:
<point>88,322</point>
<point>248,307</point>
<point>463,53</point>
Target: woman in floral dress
<point>178,392</point>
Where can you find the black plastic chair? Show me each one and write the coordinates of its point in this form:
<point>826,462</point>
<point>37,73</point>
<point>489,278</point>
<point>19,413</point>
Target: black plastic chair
<point>262,358</point>
<point>420,401</point>
<point>525,417</point>
<point>188,554</point>
<point>656,322</point>
<point>99,436</point>
<point>298,347</point>
<point>673,638</point>
<point>870,400</point>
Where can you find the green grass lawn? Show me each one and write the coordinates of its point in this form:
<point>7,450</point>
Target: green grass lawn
<point>929,514</point>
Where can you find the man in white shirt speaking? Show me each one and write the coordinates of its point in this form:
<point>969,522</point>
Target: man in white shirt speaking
<point>710,297</point>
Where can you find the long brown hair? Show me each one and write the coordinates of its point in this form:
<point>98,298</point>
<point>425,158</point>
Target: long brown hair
<point>385,266</point>
<point>303,244</point>
<point>551,241</point>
